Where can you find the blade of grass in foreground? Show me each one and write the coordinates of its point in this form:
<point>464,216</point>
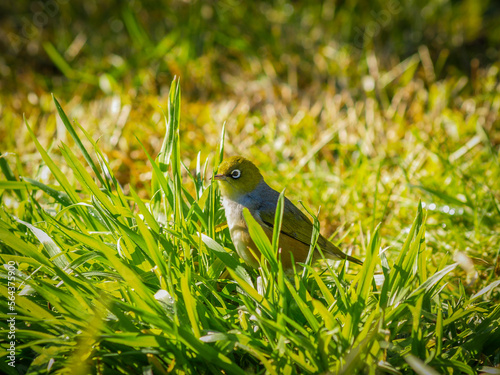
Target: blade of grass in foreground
<point>278,218</point>
<point>76,138</point>
<point>261,240</point>
<point>11,178</point>
<point>61,178</point>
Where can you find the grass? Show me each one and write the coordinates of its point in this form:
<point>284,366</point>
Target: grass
<point>109,282</point>
<point>112,234</point>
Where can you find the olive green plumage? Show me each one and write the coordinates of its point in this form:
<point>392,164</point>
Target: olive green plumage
<point>242,186</point>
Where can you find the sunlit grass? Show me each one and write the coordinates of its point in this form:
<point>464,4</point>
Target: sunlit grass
<point>106,275</point>
<point>385,125</point>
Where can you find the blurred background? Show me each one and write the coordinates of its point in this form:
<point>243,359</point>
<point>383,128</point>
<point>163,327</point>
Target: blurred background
<point>104,46</point>
<point>321,95</point>
<point>86,50</point>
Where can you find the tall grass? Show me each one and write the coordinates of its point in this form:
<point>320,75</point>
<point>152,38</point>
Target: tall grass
<point>111,283</point>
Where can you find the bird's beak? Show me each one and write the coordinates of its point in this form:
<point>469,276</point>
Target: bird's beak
<point>219,177</point>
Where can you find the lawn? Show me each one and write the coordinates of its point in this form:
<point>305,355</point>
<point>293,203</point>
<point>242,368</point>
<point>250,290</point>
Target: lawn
<point>381,120</point>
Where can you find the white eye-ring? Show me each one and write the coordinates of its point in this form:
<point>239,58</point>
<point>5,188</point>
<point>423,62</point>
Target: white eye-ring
<point>236,174</point>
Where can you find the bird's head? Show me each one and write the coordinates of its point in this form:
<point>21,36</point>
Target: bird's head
<point>237,176</point>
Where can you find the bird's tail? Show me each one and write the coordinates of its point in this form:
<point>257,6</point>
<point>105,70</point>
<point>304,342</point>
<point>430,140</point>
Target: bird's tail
<point>354,260</point>
<point>333,252</point>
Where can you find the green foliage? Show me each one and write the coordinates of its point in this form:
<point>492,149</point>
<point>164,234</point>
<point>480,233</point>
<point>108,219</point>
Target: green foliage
<point>385,114</point>
<point>109,282</point>
<point>113,45</point>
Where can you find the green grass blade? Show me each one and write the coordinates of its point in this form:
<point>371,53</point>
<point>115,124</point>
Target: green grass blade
<point>260,239</point>
<point>278,218</point>
<point>72,132</point>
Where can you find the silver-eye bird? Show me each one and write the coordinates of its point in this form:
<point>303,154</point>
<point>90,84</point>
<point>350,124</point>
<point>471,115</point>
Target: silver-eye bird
<point>242,185</point>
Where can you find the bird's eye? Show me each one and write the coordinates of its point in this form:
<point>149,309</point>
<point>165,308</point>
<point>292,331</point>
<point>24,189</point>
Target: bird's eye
<point>236,174</point>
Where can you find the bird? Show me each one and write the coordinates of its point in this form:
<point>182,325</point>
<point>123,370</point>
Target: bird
<point>242,186</point>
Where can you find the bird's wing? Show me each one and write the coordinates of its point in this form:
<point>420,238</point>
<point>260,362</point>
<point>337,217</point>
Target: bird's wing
<point>294,224</point>
<point>298,226</point>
